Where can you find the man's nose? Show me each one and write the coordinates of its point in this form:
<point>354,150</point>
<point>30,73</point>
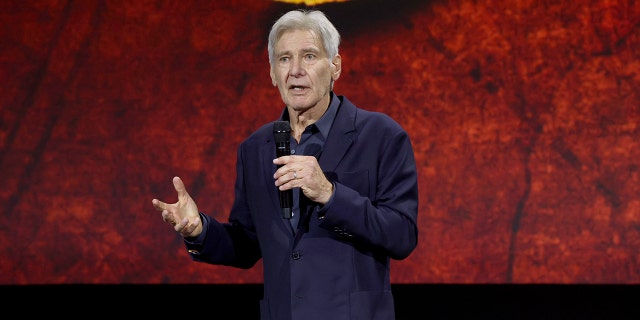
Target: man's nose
<point>297,67</point>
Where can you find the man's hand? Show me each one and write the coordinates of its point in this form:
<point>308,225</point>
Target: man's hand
<point>182,215</point>
<point>303,172</point>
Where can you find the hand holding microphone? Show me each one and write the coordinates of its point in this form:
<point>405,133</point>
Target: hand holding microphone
<point>300,171</point>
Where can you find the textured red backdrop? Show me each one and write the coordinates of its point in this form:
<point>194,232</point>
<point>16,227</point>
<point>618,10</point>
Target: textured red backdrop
<point>524,116</point>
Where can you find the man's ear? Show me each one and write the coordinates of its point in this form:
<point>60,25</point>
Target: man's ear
<point>337,67</point>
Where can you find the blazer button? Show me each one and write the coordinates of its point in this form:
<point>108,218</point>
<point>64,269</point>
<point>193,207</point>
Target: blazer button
<point>295,255</point>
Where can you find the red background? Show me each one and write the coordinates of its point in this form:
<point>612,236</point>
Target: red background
<point>524,116</point>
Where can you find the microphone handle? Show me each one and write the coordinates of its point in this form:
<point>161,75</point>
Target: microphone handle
<point>286,197</point>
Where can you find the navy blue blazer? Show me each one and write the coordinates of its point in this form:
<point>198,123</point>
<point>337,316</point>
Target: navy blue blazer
<point>337,265</point>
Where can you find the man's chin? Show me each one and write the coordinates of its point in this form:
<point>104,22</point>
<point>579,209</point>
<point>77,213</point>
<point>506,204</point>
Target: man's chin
<point>299,103</point>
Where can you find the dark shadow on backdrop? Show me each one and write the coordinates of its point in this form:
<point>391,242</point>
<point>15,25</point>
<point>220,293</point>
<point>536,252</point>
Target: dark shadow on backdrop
<point>360,16</point>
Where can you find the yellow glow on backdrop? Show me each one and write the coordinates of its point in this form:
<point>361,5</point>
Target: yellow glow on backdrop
<point>310,2</point>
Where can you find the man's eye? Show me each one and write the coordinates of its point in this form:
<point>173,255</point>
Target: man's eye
<point>310,56</point>
<point>284,59</point>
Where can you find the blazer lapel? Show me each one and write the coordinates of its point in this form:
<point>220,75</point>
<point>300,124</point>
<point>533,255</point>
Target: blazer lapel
<point>340,137</point>
<point>338,143</point>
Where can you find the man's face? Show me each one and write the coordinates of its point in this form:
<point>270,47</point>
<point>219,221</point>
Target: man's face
<point>302,71</point>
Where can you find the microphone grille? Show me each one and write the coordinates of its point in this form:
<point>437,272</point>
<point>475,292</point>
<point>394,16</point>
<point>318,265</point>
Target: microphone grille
<point>281,131</point>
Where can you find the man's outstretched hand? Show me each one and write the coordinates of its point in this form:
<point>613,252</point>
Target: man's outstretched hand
<point>182,215</point>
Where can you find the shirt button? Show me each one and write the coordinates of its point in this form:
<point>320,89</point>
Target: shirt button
<point>293,151</point>
<point>295,255</point>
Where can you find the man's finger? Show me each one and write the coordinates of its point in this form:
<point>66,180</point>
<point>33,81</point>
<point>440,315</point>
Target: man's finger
<point>159,205</point>
<point>166,218</point>
<point>180,188</point>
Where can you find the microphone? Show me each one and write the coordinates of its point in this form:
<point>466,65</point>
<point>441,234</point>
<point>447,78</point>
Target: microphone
<point>281,136</point>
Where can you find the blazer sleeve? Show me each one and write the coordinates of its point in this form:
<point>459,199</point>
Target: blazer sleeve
<point>233,243</point>
<point>375,201</point>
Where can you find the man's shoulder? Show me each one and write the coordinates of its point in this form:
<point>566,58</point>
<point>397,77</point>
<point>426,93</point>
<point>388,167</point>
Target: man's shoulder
<point>263,134</point>
<point>362,111</point>
<point>365,118</point>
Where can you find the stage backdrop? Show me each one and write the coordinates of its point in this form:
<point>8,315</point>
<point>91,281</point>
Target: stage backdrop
<point>524,116</point>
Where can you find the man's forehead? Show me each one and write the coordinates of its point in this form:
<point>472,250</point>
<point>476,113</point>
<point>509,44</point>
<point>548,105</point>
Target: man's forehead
<point>300,39</point>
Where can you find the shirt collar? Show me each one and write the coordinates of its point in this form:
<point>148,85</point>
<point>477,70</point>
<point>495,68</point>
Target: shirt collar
<point>324,123</point>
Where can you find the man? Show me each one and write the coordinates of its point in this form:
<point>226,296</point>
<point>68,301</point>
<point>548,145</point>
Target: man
<point>354,181</point>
